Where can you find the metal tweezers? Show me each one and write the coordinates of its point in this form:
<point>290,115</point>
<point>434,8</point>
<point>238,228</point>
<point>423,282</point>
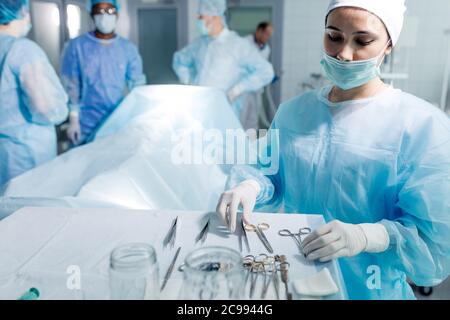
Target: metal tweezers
<point>171,235</point>
<point>204,233</point>
<point>170,270</point>
<point>243,234</point>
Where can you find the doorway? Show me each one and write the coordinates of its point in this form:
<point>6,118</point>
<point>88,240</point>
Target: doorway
<point>159,29</point>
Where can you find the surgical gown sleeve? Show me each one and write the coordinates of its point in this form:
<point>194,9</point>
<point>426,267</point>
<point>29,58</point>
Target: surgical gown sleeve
<point>259,72</point>
<point>45,101</point>
<point>267,172</point>
<point>71,76</point>
<point>135,73</point>
<point>420,234</point>
<point>184,63</point>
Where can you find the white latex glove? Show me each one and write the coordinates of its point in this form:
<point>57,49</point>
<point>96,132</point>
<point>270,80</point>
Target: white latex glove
<point>244,195</point>
<point>74,131</point>
<point>337,239</point>
<point>234,93</point>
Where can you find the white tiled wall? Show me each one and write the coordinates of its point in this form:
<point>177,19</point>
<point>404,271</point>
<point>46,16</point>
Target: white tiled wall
<point>304,22</point>
<point>424,29</point>
<point>427,59</point>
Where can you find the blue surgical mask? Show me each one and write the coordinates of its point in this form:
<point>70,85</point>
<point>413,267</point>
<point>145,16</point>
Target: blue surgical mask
<point>105,23</point>
<point>202,28</point>
<point>348,75</point>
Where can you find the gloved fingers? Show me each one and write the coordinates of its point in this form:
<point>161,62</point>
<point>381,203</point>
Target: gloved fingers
<point>320,242</point>
<point>339,254</point>
<point>222,206</point>
<point>317,234</point>
<point>247,211</point>
<point>233,210</point>
<point>328,250</point>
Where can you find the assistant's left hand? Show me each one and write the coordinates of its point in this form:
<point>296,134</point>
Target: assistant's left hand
<point>337,239</point>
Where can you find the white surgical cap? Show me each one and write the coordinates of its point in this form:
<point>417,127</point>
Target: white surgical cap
<point>212,7</point>
<point>391,12</point>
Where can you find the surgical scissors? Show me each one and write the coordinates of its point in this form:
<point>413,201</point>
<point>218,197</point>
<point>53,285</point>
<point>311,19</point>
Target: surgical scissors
<point>255,266</point>
<point>269,267</point>
<point>284,269</point>
<point>296,236</point>
<point>243,236</point>
<point>271,276</point>
<point>259,229</point>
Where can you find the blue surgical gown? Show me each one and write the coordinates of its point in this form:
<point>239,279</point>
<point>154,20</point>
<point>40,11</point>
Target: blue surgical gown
<point>223,63</point>
<point>97,75</point>
<point>383,160</point>
<point>32,102</point>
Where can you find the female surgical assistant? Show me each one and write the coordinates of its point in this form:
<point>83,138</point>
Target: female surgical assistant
<point>374,160</point>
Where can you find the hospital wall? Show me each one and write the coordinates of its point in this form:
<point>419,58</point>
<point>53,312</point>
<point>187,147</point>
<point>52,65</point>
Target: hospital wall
<point>123,25</point>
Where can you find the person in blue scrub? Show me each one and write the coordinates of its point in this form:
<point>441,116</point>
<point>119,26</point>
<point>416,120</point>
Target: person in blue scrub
<point>97,70</point>
<point>32,99</point>
<point>374,160</point>
<point>220,58</point>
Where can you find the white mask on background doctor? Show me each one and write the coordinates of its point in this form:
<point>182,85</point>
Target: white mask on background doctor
<point>105,23</point>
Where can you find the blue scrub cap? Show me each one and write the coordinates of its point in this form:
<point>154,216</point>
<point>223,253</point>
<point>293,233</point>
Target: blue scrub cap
<point>11,10</point>
<point>92,3</point>
<point>212,7</point>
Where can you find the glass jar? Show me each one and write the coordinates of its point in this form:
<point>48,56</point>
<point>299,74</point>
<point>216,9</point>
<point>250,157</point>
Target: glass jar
<point>213,273</point>
<point>134,273</point>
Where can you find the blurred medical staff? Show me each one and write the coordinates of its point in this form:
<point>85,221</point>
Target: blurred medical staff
<point>32,99</point>
<point>253,102</point>
<point>97,70</point>
<point>374,160</point>
<point>261,38</point>
<point>220,58</point>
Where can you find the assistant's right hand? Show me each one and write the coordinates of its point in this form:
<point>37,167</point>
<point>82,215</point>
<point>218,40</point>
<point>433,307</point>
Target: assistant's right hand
<point>243,195</point>
<point>74,131</point>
